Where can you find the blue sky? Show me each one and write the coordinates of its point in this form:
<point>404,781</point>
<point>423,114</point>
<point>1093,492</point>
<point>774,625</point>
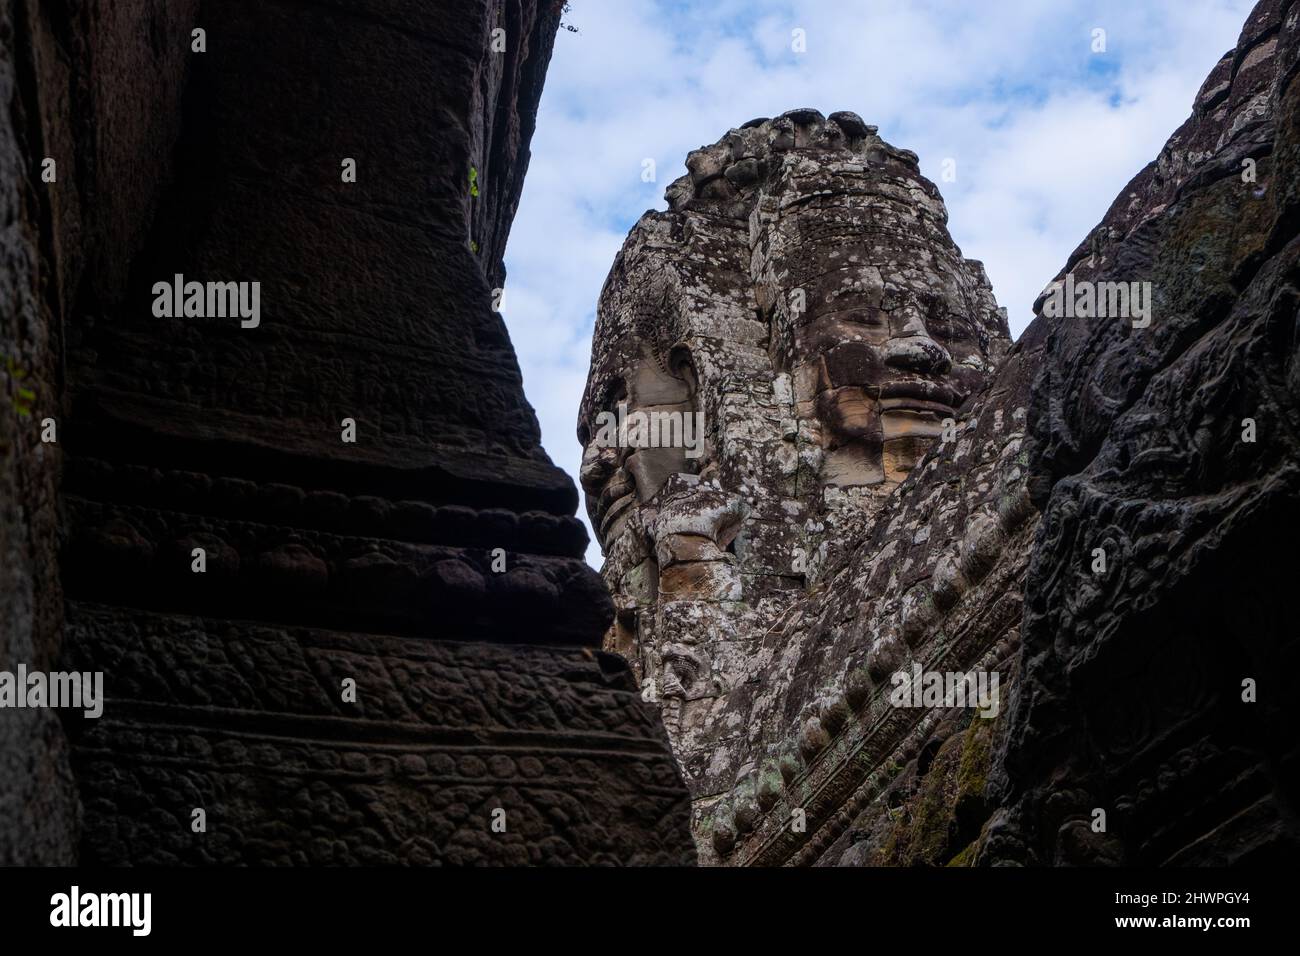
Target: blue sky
<point>1044,131</point>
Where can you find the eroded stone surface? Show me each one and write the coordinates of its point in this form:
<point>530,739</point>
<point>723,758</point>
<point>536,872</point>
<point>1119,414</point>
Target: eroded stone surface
<point>1133,679</point>
<point>95,87</point>
<point>416,561</point>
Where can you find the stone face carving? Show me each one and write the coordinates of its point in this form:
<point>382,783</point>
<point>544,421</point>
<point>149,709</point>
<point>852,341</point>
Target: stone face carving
<point>821,250</point>
<point>413,561</point>
<point>801,294</point>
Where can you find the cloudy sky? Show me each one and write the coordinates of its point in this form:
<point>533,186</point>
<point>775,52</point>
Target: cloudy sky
<point>1044,131</point>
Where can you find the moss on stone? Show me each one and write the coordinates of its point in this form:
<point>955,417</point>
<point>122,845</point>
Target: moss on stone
<point>967,856</point>
<point>947,805</point>
<point>920,833</point>
<point>977,748</point>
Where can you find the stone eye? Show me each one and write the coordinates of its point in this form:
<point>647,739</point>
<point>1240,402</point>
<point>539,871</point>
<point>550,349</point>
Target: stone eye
<point>867,317</point>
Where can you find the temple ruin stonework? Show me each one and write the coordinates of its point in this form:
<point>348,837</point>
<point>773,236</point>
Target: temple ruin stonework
<point>887,486</point>
<point>803,292</point>
<point>881,586</point>
<point>334,585</point>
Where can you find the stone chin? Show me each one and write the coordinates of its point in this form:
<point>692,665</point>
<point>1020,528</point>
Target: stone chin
<point>636,476</point>
<point>618,495</point>
<point>608,486</point>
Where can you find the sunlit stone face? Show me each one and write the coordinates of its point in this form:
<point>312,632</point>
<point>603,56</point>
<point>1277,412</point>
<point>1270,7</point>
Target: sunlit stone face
<point>802,247</point>
<point>885,376</point>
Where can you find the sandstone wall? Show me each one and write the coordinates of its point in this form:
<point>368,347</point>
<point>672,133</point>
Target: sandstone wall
<point>416,561</point>
<point>1133,680</point>
<point>97,88</point>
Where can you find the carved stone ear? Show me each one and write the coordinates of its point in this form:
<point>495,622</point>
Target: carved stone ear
<point>685,664</point>
<point>650,384</point>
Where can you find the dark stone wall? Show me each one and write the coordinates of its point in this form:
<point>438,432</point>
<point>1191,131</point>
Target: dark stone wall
<point>477,688</point>
<point>96,87</point>
<point>1131,693</point>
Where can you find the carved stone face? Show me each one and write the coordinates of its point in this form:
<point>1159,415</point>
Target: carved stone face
<point>884,377</point>
<point>621,466</point>
<point>803,294</point>
<point>892,331</point>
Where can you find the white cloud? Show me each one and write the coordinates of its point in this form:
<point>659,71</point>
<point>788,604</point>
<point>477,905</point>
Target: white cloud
<point>1045,133</point>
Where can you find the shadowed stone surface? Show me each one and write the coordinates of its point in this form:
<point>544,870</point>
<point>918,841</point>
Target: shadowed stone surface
<point>1132,699</point>
<point>378,561</point>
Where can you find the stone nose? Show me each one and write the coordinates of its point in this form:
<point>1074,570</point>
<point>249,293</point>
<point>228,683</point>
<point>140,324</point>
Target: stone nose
<point>915,351</point>
<point>598,463</point>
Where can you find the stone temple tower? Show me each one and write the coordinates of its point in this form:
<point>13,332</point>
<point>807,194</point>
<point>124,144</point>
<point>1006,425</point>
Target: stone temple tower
<point>803,301</point>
